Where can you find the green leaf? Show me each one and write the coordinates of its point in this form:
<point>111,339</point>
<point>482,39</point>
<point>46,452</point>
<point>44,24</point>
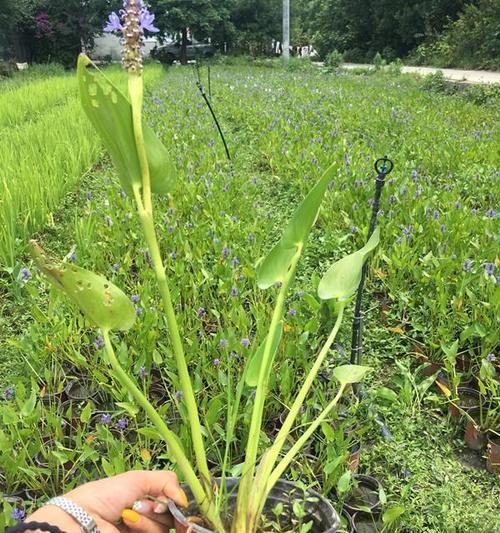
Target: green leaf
<point>387,394</point>
<point>344,482</point>
<point>255,363</point>
<point>276,264</point>
<point>29,404</point>
<point>111,115</point>
<point>342,279</point>
<point>346,374</point>
<point>99,300</point>
<point>86,413</point>
<point>392,514</point>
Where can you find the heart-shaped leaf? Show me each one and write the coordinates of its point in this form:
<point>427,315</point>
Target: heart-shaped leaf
<point>255,363</point>
<point>276,264</point>
<point>346,374</point>
<point>111,115</point>
<point>342,279</point>
<point>101,301</point>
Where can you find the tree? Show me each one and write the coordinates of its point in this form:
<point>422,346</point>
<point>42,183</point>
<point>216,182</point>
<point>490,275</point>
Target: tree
<point>205,18</point>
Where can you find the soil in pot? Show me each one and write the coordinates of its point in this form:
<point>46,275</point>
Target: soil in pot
<point>80,389</point>
<point>365,494</point>
<point>493,454</point>
<point>367,523</point>
<point>474,437</point>
<point>318,509</point>
<point>468,400</point>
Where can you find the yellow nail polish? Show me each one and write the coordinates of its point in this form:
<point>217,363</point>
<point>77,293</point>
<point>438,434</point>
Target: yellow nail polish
<point>183,500</point>
<point>130,516</point>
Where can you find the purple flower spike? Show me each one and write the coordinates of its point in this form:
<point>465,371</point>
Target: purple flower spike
<point>216,362</point>
<point>245,342</point>
<point>122,424</point>
<point>9,393</point>
<point>489,268</point>
<point>114,23</point>
<point>146,21</point>
<point>99,342</point>
<point>135,298</point>
<point>25,274</point>
<point>223,343</point>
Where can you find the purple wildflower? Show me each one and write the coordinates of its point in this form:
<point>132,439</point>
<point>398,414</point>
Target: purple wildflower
<point>138,311</point>
<point>135,298</point>
<point>223,343</point>
<point>435,214</point>
<point>122,424</point>
<point>146,21</point>
<point>225,252</point>
<point>25,274</point>
<point>9,393</point>
<point>173,255</point>
<point>354,229</point>
<point>418,192</point>
<point>142,373</point>
<point>108,221</point>
<point>170,230</point>
<point>216,362</point>
<point>251,237</point>
<point>114,23</point>
<point>18,514</point>
<point>178,395</point>
<point>491,357</point>
<point>234,291</point>
<point>392,199</point>
<point>414,175</point>
<point>115,267</point>
<point>371,201</point>
<point>491,213</point>
<point>466,265</point>
<point>88,196</point>
<point>235,262</point>
<point>489,268</point>
<point>99,342</point>
<point>106,419</point>
<point>245,342</point>
<point>292,312</point>
<point>201,312</point>
<point>442,227</point>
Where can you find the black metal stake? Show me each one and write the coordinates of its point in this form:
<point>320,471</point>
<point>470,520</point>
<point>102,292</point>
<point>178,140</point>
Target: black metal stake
<point>383,167</point>
<point>207,101</point>
<point>386,166</point>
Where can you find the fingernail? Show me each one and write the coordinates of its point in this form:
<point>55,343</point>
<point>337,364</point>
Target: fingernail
<point>138,506</point>
<point>183,499</point>
<point>160,508</point>
<point>130,516</point>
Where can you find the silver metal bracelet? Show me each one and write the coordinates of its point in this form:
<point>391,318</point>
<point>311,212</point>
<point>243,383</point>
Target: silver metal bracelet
<point>87,523</point>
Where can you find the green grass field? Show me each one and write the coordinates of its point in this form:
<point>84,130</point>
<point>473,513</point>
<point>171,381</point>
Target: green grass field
<point>433,280</point>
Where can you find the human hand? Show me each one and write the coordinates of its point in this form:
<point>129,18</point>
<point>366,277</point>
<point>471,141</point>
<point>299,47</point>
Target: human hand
<point>118,504</point>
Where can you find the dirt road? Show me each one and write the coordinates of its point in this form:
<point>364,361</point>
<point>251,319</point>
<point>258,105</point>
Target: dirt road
<point>469,76</point>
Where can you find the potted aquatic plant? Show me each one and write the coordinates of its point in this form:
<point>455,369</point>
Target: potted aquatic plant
<point>259,498</point>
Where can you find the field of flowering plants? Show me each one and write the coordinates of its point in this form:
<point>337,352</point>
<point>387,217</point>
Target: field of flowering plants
<point>431,301</point>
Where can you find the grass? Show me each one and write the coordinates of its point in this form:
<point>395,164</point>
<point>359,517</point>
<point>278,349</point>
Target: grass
<point>283,128</point>
<point>47,143</point>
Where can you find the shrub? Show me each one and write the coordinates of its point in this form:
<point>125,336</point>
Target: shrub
<point>333,60</point>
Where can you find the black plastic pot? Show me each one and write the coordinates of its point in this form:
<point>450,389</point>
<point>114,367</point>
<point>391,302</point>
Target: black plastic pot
<point>347,525</point>
<point>80,389</point>
<point>326,519</point>
<point>364,495</point>
<point>468,400</point>
<point>367,523</point>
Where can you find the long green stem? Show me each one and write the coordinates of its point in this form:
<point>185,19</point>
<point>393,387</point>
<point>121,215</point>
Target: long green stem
<point>145,209</point>
<point>173,328</point>
<point>240,524</point>
<point>285,462</point>
<point>273,452</point>
<point>206,505</point>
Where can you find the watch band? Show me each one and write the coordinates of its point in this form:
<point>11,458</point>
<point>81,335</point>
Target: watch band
<point>86,522</point>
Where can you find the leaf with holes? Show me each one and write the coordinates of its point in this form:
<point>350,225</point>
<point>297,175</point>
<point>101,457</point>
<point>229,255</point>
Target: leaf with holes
<point>111,115</point>
<point>99,300</point>
<point>342,279</point>
<point>276,264</point>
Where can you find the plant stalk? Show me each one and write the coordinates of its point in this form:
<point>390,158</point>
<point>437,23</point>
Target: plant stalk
<point>285,462</point>
<point>206,505</point>
<point>240,524</point>
<point>273,452</point>
<point>145,209</point>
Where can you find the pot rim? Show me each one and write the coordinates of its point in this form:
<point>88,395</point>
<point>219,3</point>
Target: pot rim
<point>195,528</point>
